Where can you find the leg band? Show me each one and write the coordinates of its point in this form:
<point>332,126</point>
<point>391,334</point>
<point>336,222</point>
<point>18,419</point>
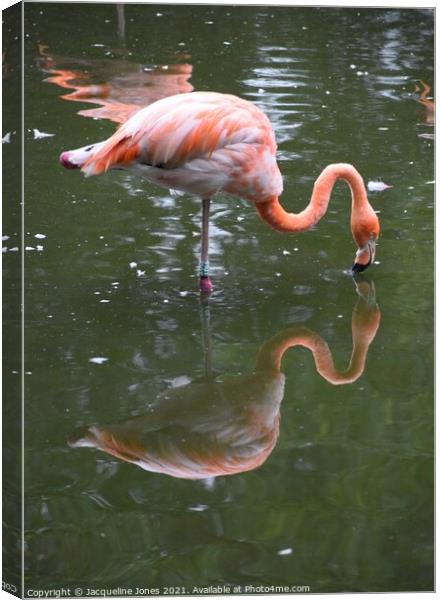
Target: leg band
<point>204,269</point>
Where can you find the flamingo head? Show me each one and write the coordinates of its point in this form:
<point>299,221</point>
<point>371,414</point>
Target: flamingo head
<point>365,232</point>
<point>364,256</point>
<point>75,159</point>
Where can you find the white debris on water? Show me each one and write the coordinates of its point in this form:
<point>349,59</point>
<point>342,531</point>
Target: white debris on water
<point>179,381</point>
<point>40,236</point>
<point>6,139</point>
<point>38,135</point>
<point>98,360</point>
<point>132,265</point>
<point>377,186</point>
<point>285,552</point>
<point>198,507</point>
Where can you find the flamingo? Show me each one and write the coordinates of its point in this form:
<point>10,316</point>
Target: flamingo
<point>207,142</point>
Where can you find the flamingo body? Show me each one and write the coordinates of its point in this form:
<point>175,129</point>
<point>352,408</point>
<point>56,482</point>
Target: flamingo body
<point>205,142</point>
<point>200,143</point>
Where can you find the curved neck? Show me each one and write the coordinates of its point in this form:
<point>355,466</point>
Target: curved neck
<point>364,329</point>
<point>275,215</point>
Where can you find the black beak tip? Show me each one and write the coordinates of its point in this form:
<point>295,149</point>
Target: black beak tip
<point>358,268</point>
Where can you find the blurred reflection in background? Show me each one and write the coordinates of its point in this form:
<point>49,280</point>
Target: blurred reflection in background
<point>119,87</point>
<point>423,90</point>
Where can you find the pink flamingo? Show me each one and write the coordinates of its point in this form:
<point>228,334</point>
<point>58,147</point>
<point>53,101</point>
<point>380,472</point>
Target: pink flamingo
<point>205,142</point>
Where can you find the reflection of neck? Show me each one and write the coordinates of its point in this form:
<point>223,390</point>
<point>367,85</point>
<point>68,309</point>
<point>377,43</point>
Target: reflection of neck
<point>206,338</point>
<point>364,328</point>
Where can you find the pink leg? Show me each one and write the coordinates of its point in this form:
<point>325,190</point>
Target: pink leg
<point>204,280</point>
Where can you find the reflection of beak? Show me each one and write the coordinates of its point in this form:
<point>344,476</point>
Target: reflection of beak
<point>82,437</point>
<point>365,256</point>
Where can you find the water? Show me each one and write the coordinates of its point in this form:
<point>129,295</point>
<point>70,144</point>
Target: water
<point>338,495</point>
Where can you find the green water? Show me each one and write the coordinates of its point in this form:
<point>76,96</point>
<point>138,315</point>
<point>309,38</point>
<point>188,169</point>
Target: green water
<point>343,500</point>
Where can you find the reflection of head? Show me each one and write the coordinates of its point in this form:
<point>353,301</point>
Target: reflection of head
<point>200,430</point>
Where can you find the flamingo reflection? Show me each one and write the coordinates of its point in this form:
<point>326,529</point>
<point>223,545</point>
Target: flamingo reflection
<point>124,87</point>
<point>227,425</point>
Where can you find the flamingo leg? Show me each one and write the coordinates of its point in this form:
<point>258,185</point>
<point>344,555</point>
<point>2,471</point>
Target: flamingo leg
<point>206,337</point>
<point>204,280</point>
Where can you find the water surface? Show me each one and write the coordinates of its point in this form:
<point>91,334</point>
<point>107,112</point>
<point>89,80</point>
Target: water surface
<point>340,495</point>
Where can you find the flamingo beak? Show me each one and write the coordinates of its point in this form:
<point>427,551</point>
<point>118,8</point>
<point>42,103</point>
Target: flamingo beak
<point>365,257</point>
<point>65,160</point>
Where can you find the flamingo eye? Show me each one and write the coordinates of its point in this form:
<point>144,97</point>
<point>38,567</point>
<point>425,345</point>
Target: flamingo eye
<point>88,149</point>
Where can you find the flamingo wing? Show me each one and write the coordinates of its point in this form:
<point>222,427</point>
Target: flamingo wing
<point>192,137</point>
